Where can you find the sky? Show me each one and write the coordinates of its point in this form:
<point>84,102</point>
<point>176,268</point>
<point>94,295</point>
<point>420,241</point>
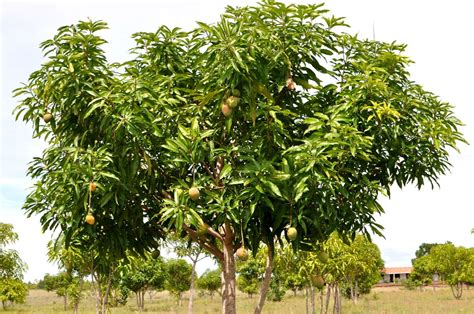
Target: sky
<point>439,39</point>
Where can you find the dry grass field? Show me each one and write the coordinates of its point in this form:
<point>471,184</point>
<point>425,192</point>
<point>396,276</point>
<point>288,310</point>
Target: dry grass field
<point>381,300</point>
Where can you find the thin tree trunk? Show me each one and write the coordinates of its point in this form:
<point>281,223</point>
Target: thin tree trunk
<point>228,272</point>
<point>191,288</point>
<point>338,293</point>
<point>457,291</point>
<point>140,300</point>
<point>143,299</point>
<point>328,298</point>
<point>65,301</point>
<point>105,297</point>
<point>321,295</point>
<point>356,292</point>
<point>266,281</point>
<point>337,300</point>
<point>98,299</point>
<point>307,299</point>
<point>334,306</point>
<point>313,306</point>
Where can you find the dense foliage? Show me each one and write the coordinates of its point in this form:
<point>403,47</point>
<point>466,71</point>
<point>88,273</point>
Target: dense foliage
<point>142,275</point>
<point>210,281</point>
<point>178,277</point>
<point>12,288</point>
<point>452,264</point>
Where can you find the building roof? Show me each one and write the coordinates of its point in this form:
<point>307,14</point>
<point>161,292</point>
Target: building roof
<point>396,270</point>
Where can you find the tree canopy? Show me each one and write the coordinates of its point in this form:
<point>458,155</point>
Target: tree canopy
<point>272,117</point>
<point>12,288</point>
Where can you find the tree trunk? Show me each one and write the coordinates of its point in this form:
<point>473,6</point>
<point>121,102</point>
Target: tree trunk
<point>102,297</point>
<point>266,281</point>
<point>65,301</point>
<point>328,298</point>
<point>191,288</point>
<point>98,300</point>
<point>228,273</point>
<point>140,295</point>
<point>76,308</point>
<point>337,300</point>
<point>356,292</point>
<point>321,295</point>
<point>313,306</point>
<point>225,258</point>
<point>307,299</point>
<point>457,290</point>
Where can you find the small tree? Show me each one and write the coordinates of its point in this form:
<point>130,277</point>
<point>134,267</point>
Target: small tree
<point>210,281</point>
<point>363,265</point>
<point>454,265</point>
<point>185,247</point>
<point>59,283</point>
<point>178,277</point>
<point>12,288</point>
<point>12,291</point>
<point>141,275</point>
<point>422,274</point>
<point>250,275</point>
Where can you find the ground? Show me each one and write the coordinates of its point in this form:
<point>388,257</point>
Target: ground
<point>385,300</point>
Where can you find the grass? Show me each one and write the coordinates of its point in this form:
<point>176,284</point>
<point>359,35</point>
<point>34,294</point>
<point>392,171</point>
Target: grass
<point>381,301</point>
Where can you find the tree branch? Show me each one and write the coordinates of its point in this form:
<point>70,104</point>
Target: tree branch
<point>210,247</point>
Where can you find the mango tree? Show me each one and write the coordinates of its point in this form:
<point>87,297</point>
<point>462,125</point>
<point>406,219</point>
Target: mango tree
<point>453,264</point>
<point>210,281</point>
<point>12,288</point>
<point>193,251</point>
<point>178,277</point>
<point>141,275</point>
<point>271,119</point>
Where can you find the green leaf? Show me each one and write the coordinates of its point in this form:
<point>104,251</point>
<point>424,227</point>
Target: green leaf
<point>226,171</point>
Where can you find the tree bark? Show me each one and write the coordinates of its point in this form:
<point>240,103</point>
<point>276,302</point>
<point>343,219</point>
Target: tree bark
<point>356,292</point>
<point>328,298</point>
<point>307,299</point>
<point>321,295</point>
<point>457,290</point>
<point>228,272</point>
<point>105,300</point>
<point>313,307</point>
<point>337,300</point>
<point>65,301</point>
<point>98,299</point>
<point>225,258</point>
<point>191,288</point>
<point>266,281</point>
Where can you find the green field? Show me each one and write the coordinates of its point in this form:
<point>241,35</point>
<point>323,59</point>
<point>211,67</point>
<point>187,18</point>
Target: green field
<point>381,300</point>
